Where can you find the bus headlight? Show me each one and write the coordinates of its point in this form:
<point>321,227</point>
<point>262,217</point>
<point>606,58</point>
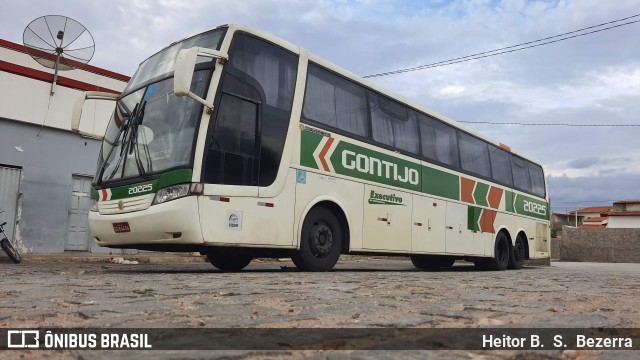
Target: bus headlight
<point>171,193</point>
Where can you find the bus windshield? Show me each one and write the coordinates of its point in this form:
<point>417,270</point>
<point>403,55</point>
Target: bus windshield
<point>151,129</point>
<point>163,62</point>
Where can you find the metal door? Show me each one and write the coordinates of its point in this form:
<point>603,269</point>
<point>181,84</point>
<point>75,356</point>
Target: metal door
<point>78,220</point>
<point>9,192</point>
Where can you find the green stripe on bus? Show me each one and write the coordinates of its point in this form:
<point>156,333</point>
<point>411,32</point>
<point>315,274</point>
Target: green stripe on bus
<point>508,201</point>
<point>174,177</point>
<point>308,144</point>
<point>473,218</point>
<point>353,160</point>
<point>480,194</point>
<point>528,206</point>
<point>440,183</point>
<point>94,193</point>
<point>348,159</point>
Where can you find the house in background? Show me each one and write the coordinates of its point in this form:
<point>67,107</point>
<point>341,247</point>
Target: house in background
<point>559,220</point>
<point>593,211</point>
<point>599,222</point>
<point>625,214</point>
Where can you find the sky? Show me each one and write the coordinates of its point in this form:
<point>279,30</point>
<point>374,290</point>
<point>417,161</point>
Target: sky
<point>593,79</point>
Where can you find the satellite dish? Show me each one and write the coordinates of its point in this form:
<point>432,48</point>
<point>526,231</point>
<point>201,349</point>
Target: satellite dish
<point>59,43</point>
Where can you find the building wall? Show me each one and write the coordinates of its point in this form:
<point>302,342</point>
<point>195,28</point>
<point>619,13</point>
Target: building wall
<point>600,245</point>
<point>633,207</point>
<point>48,162</point>
<point>624,222</point>
<point>36,137</point>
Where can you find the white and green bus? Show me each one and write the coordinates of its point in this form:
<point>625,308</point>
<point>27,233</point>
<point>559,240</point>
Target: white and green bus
<point>236,144</point>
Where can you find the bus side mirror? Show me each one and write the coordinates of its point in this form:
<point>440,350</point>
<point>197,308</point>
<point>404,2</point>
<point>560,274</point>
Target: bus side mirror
<point>183,71</point>
<point>77,109</point>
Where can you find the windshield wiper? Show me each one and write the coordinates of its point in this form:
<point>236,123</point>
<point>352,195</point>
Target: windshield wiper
<point>133,141</point>
<point>122,133</point>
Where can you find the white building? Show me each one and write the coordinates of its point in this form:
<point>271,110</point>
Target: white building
<point>45,168</point>
<point>625,214</point>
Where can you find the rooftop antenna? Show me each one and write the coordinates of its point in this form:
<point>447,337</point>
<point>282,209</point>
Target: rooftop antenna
<point>59,43</point>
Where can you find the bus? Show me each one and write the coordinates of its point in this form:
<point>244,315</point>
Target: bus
<point>239,145</point>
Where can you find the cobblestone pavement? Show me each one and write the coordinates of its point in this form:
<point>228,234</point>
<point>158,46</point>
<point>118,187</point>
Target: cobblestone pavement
<point>360,292</point>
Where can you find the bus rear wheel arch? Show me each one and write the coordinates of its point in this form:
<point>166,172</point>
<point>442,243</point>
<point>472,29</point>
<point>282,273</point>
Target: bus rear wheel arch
<point>321,240</point>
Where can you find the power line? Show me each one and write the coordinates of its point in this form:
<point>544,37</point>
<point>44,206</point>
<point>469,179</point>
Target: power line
<point>550,124</point>
<point>583,202</point>
<point>512,48</point>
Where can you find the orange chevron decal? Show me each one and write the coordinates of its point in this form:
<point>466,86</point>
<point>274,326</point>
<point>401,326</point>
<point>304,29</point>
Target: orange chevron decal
<point>495,195</point>
<point>323,153</point>
<point>466,190</point>
<point>487,218</point>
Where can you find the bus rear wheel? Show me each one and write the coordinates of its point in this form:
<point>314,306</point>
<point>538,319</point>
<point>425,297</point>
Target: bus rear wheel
<point>227,261</point>
<point>502,253</point>
<point>320,241</point>
<point>516,260</point>
<point>432,262</point>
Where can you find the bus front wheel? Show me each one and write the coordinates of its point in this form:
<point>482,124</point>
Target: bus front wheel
<point>228,261</point>
<point>320,241</point>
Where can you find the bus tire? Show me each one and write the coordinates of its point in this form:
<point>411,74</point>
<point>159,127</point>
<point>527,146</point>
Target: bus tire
<point>320,241</point>
<point>502,253</point>
<point>516,258</point>
<point>432,262</point>
<point>229,261</point>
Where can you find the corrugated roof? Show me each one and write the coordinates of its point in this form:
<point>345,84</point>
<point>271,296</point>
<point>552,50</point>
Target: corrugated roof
<point>595,209</point>
<point>624,213</point>
<point>592,226</point>
<point>596,219</point>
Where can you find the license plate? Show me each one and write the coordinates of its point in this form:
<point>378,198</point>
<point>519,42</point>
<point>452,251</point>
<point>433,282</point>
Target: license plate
<point>121,227</point>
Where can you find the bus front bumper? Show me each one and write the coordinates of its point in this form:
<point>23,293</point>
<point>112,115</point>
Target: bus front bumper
<point>174,222</point>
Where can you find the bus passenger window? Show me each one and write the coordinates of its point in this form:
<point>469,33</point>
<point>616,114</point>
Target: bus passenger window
<point>393,124</point>
<point>521,179</point>
<point>537,179</point>
<point>439,141</point>
<point>336,102</point>
<point>474,155</point>
<point>500,165</point>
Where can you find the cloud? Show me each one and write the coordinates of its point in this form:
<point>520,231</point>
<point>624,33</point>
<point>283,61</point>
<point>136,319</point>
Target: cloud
<point>582,163</point>
<point>569,192</point>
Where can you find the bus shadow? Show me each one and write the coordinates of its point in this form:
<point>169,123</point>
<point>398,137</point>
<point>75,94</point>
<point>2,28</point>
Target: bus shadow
<point>188,269</point>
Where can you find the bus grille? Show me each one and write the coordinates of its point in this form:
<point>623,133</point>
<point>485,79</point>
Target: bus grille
<point>126,205</point>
